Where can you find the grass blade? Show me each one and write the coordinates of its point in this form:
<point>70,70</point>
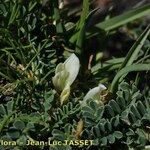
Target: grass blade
<point>59,26</point>
<point>84,14</point>
<point>120,20</point>
<point>80,27</point>
<point>135,49</point>
<point>126,70</point>
<point>14,13</point>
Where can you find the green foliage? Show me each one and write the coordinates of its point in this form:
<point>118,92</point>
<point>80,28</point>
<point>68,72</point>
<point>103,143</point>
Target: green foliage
<point>120,121</point>
<point>125,18</point>
<point>64,114</point>
<point>37,35</point>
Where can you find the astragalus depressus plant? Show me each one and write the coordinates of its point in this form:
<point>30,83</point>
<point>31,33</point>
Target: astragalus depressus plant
<point>67,83</point>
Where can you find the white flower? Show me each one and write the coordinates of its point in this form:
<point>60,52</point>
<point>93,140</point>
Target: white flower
<point>93,94</point>
<point>65,74</point>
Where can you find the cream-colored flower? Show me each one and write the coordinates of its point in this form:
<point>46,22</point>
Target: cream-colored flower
<point>65,94</point>
<point>93,94</point>
<point>65,74</point>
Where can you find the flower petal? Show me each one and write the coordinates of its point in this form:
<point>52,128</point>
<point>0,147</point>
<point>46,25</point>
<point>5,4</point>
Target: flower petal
<point>93,93</point>
<point>59,80</point>
<point>65,95</point>
<point>65,74</point>
<point>72,66</point>
<point>59,67</point>
<point>102,87</point>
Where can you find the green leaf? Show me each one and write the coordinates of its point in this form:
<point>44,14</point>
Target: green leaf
<point>96,131</point>
<point>109,109</point>
<point>87,114</point>
<point>135,49</point>
<point>14,13</point>
<point>10,105</point>
<point>92,113</point>
<point>124,18</point>
<point>84,14</point>
<point>134,67</point>
<point>88,109</point>
<point>135,112</point>
<point>22,140</point>
<point>31,5</point>
<point>115,106</point>
<point>2,110</point>
<point>118,134</point>
<point>81,26</point>
<point>13,133</point>
<point>121,102</point>
<point>115,121</point>
<point>124,86</point>
<point>30,126</point>
<point>111,138</point>
<point>20,125</point>
<point>130,132</point>
<point>79,31</point>
<point>59,26</point>
<point>108,126</point>
<point>100,112</point>
<point>89,122</point>
<point>132,117</point>
<point>48,96</point>
<point>142,141</point>
<point>102,127</point>
<point>127,95</point>
<point>141,108</point>
<point>104,141</point>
